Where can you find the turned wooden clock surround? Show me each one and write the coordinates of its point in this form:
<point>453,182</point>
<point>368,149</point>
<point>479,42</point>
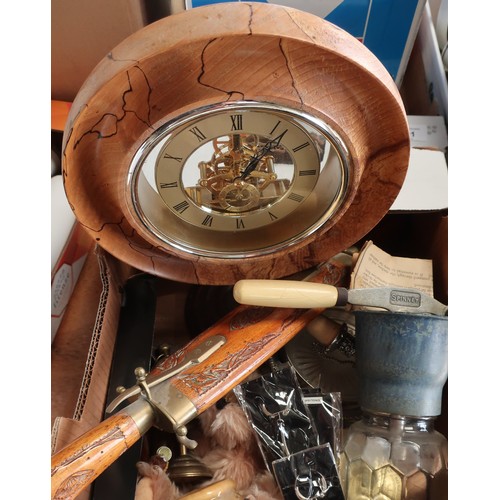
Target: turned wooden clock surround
<point>216,56</point>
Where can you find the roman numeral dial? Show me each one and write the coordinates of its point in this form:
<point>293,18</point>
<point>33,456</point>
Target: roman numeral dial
<point>241,172</point>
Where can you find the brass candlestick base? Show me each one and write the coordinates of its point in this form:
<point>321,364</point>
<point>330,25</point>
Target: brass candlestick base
<point>187,469</point>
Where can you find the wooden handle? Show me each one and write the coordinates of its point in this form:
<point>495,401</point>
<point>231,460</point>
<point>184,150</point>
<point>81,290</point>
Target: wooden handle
<point>285,293</point>
<point>74,467</point>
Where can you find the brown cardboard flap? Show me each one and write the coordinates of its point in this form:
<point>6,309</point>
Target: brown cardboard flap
<point>82,351</point>
<point>83,33</point>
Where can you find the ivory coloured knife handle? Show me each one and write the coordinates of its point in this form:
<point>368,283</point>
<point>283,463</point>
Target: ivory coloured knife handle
<point>287,293</point>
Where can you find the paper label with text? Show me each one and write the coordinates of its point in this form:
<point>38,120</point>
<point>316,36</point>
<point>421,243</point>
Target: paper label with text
<point>376,268</point>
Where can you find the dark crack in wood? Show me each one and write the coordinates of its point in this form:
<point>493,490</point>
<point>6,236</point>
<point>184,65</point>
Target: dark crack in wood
<point>229,93</point>
<point>114,119</point>
<point>289,69</point>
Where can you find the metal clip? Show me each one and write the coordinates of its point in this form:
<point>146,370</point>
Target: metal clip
<point>145,383</point>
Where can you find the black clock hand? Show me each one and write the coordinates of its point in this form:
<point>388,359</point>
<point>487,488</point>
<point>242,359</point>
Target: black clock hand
<point>254,161</point>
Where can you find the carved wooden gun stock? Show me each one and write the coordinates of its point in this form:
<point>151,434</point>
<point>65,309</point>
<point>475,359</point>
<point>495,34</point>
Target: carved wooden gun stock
<point>185,384</point>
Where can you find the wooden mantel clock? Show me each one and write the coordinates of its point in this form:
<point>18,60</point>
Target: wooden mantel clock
<point>238,140</point>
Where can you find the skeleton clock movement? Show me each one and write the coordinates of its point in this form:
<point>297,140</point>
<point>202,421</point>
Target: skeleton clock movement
<point>238,140</point>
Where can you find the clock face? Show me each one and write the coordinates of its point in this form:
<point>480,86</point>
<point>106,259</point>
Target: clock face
<point>239,179</point>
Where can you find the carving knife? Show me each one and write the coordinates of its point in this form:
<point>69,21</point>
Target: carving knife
<point>302,294</point>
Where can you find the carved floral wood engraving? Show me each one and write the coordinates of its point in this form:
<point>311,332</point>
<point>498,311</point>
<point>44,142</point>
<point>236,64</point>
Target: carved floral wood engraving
<point>73,484</point>
<point>214,374</point>
<point>248,316</point>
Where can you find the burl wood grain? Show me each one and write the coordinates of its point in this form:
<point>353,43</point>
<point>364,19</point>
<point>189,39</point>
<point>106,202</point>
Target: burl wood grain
<point>77,465</point>
<point>231,52</point>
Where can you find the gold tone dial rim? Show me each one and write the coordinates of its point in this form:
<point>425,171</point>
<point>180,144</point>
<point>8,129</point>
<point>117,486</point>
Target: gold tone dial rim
<point>240,241</point>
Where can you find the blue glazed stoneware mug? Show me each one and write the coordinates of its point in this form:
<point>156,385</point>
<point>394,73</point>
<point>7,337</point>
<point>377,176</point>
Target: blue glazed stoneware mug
<point>402,361</point>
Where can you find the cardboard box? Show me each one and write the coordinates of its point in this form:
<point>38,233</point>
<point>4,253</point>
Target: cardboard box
<point>66,273</point>
<point>425,85</point>
<point>82,33</point>
<point>425,93</point>
<point>70,244</point>
<point>83,350</point>
<point>426,184</point>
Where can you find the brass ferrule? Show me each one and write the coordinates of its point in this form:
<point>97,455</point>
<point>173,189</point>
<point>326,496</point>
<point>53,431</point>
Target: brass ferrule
<point>142,413</point>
